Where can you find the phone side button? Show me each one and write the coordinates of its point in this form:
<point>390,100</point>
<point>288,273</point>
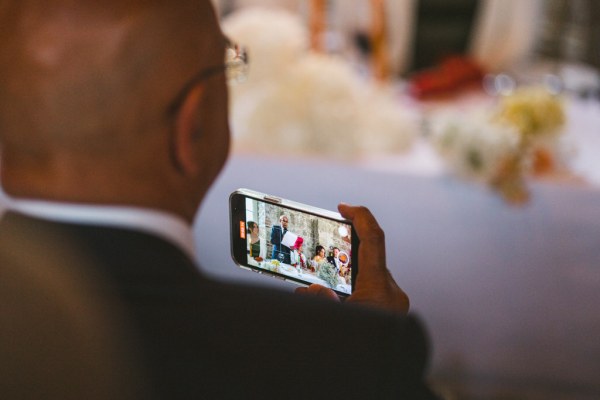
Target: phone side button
<point>272,199</point>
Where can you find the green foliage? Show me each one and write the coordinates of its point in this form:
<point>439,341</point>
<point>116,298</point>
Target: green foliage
<point>328,274</point>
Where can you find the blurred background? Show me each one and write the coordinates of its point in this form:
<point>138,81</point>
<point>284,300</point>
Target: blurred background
<point>470,129</point>
<point>383,84</point>
<point>420,32</point>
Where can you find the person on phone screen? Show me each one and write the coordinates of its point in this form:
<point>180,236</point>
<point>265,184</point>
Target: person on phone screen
<point>335,260</point>
<point>319,254</point>
<point>280,251</point>
<point>114,127</point>
<point>318,258</point>
<point>298,259</point>
<point>254,246</point>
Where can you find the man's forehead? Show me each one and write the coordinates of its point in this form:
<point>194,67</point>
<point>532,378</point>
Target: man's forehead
<point>48,29</point>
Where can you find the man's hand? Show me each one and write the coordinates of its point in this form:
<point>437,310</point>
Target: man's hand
<point>374,284</point>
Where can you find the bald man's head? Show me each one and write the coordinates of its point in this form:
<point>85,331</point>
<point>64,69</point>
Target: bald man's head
<point>87,93</point>
<point>90,74</point>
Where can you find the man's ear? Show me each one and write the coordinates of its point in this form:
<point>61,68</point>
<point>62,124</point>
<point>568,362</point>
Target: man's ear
<point>184,139</point>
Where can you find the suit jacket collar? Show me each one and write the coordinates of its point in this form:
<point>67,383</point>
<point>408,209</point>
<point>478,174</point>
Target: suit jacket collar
<point>119,251</point>
<point>159,223</point>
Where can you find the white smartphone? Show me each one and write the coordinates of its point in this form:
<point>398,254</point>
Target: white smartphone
<point>293,241</point>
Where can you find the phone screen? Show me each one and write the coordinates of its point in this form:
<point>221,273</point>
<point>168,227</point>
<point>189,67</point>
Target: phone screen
<point>299,243</point>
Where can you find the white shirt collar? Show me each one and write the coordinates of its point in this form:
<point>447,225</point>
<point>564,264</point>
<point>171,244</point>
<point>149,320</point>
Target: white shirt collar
<point>159,223</point>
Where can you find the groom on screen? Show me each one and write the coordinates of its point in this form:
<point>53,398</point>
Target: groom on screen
<point>280,251</point>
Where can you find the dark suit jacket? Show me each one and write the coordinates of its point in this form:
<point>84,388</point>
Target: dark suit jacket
<point>201,339</point>
<point>331,260</point>
<point>276,238</point>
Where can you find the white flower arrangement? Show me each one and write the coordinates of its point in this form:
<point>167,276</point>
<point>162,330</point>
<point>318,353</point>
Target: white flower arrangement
<point>501,146</point>
<point>539,117</point>
<point>328,273</point>
<point>272,265</point>
<point>473,146</point>
<point>304,102</point>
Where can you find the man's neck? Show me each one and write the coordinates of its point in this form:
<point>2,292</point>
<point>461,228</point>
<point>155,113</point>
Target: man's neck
<point>111,189</point>
<point>153,221</point>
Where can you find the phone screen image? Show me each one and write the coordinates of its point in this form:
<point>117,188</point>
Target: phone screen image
<point>296,245</point>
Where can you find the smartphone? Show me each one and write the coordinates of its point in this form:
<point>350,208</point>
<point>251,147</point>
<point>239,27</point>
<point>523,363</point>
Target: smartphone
<point>292,241</point>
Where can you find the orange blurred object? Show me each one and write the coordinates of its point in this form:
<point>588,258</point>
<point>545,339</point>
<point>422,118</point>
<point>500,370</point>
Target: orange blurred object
<point>543,162</point>
<point>317,24</point>
<point>381,57</point>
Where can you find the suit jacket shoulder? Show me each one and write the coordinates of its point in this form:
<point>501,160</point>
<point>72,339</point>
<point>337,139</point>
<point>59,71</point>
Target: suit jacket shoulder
<point>204,339</point>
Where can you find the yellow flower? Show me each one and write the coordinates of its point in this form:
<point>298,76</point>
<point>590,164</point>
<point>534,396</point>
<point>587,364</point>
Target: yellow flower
<point>532,111</point>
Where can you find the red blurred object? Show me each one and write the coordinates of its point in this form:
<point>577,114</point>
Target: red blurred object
<point>452,74</point>
<point>299,242</point>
